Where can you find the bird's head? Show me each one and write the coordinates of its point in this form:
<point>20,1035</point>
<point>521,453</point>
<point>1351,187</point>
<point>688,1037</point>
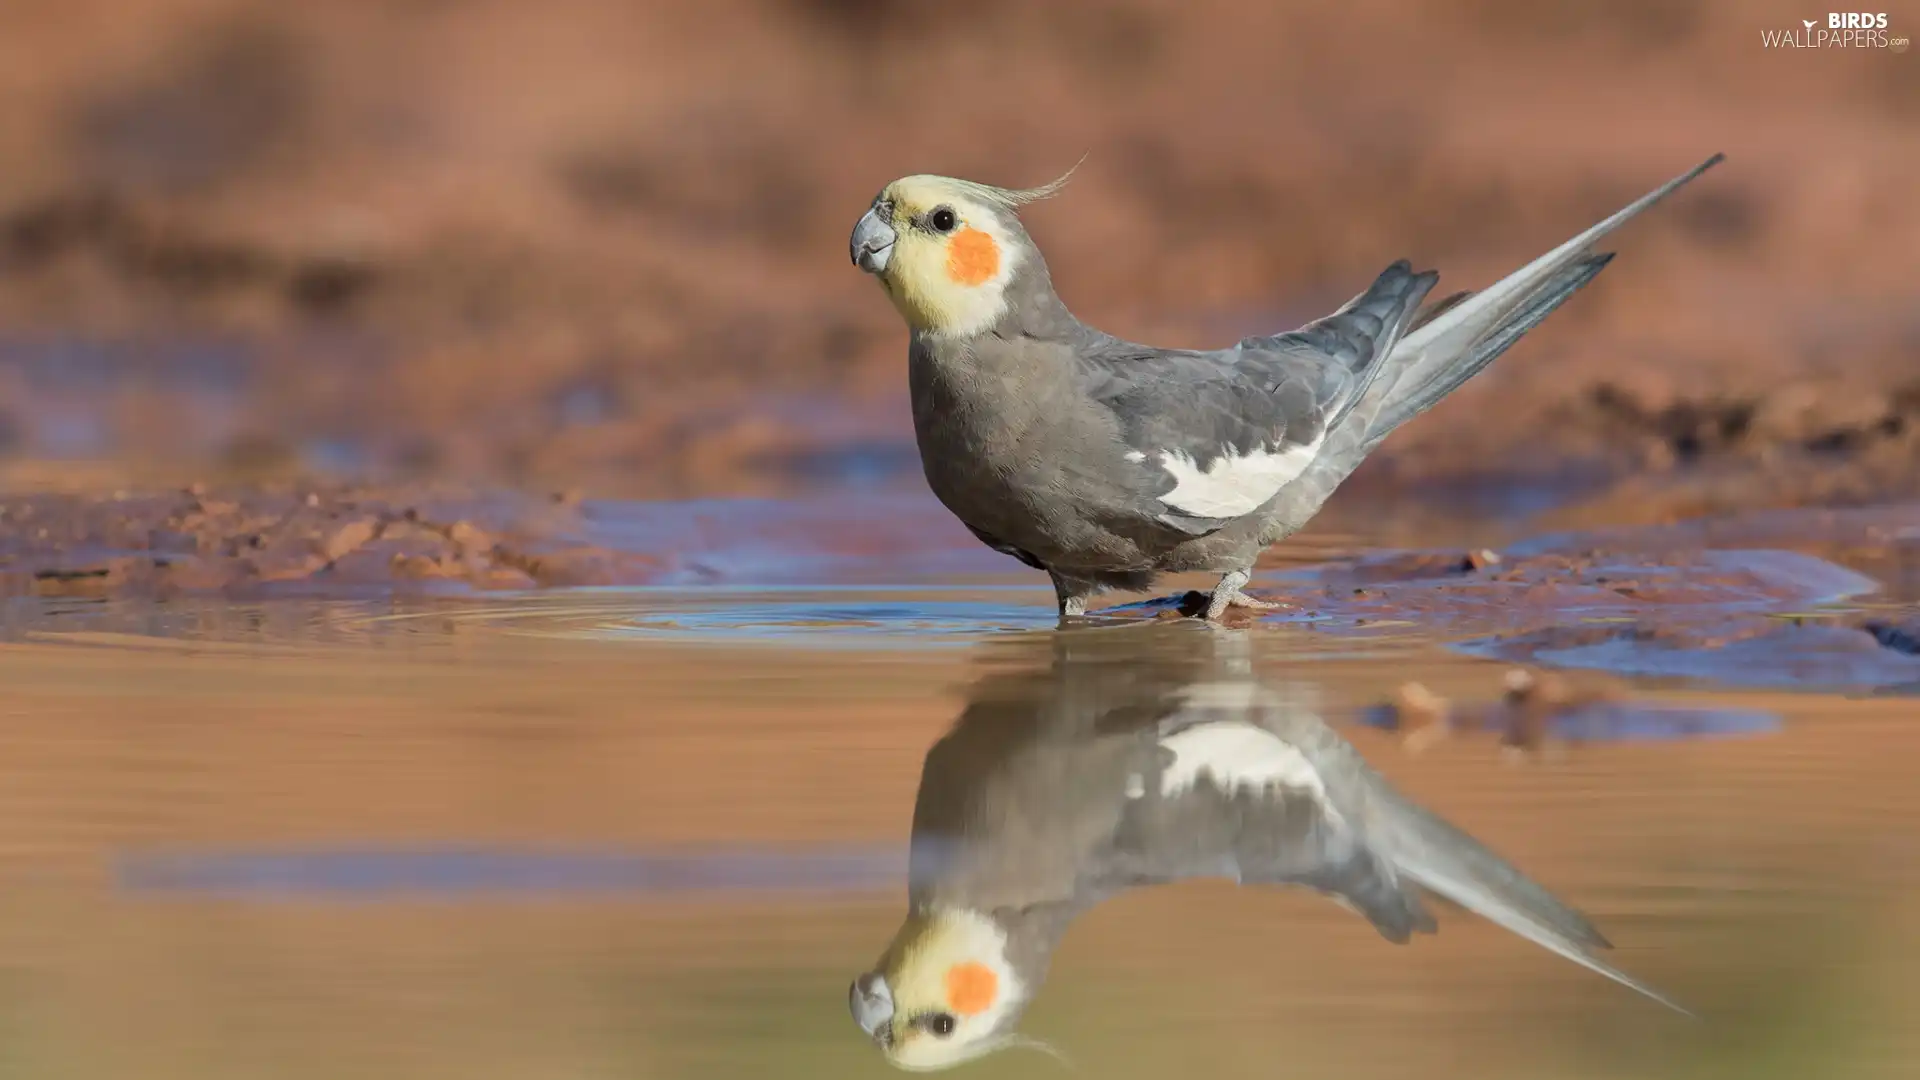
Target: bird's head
<point>946,250</point>
<point>942,994</point>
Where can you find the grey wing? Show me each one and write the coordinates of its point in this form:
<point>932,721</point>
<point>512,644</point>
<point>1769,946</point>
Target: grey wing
<point>1243,780</point>
<point>1186,820</point>
<point>1211,437</point>
<point>1416,850</point>
<point>1216,435</point>
<point>1359,335</point>
<point>1424,847</point>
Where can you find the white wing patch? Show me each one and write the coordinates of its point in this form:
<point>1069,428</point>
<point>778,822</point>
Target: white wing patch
<point>1236,756</point>
<point>1233,486</point>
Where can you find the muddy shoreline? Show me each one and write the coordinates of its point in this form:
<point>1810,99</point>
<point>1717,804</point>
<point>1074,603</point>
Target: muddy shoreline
<point>1790,599</point>
<point>243,542</point>
<point>210,538</point>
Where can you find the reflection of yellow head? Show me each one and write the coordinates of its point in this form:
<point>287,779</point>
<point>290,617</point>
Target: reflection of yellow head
<point>955,247</point>
<point>954,993</point>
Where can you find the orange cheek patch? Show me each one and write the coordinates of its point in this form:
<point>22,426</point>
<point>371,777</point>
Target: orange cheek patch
<point>972,257</point>
<point>971,988</point>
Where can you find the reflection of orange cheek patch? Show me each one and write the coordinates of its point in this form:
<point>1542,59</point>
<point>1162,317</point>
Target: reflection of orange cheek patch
<point>971,987</point>
<point>972,257</point>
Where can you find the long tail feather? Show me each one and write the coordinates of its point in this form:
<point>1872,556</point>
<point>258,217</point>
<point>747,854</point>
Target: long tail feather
<point>1467,334</point>
<point>1411,402</point>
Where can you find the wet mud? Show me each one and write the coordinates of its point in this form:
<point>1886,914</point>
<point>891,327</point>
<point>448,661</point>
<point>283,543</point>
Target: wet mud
<point>1731,602</point>
<point>1788,599</point>
<point>1543,713</point>
<point>265,541</point>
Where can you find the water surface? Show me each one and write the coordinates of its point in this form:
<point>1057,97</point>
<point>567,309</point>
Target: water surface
<point>654,832</point>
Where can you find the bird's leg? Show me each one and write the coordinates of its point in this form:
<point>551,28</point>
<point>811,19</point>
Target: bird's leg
<point>1072,596</point>
<point>1227,594</point>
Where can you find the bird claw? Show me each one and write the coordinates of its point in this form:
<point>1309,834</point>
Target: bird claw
<point>1242,600</point>
<point>1220,603</point>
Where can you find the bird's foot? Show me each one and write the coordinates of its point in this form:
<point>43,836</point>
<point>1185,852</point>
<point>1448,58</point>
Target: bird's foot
<point>1073,602</point>
<point>1220,608</point>
<point>1252,603</point>
<point>1228,595</point>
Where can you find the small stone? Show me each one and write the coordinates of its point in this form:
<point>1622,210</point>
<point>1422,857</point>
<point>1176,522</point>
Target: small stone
<point>1421,716</point>
<point>346,538</point>
<point>503,577</point>
<point>415,567</point>
<point>469,538</point>
<point>285,565</point>
<point>215,507</point>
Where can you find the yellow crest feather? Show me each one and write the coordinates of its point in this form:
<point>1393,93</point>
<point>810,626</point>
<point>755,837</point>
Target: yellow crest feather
<point>1013,198</point>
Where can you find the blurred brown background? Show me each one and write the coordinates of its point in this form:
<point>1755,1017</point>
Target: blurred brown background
<point>276,273</point>
<point>597,244</point>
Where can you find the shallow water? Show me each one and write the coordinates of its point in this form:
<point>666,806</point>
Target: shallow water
<point>655,832</point>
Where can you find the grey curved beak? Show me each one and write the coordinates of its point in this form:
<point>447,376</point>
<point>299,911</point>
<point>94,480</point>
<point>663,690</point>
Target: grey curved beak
<point>872,242</point>
<point>870,1000</point>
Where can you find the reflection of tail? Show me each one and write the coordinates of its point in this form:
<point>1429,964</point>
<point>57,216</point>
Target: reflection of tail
<point>1449,862</point>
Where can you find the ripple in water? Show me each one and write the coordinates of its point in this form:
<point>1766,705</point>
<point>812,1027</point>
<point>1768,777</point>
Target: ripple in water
<point>380,872</point>
<point>833,618</point>
<point>853,616</point>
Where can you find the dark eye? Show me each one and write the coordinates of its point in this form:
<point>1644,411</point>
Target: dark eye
<point>941,1024</point>
<point>943,220</point>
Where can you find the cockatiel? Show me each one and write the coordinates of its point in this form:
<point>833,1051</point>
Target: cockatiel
<point>1107,463</point>
<point>1060,787</point>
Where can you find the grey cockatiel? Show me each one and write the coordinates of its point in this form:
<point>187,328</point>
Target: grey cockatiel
<point>1106,463</point>
<point>1151,760</point>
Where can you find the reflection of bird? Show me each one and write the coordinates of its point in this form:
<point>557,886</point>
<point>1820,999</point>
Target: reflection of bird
<point>1106,463</point>
<point>1061,787</point>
